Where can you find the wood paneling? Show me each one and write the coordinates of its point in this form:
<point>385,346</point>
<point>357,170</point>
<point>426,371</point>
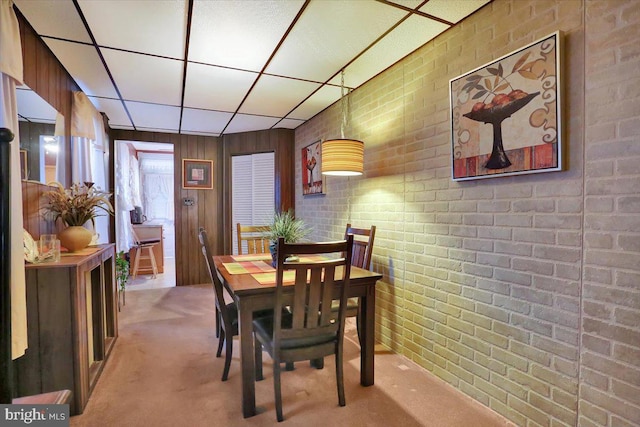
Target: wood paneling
<point>279,141</point>
<point>207,208</point>
<point>212,208</point>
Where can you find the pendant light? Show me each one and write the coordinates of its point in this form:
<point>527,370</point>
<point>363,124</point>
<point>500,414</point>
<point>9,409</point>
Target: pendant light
<point>343,156</point>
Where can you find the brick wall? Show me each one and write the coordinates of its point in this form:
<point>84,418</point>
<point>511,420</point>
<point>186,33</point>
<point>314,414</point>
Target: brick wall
<point>610,351</point>
<point>522,292</point>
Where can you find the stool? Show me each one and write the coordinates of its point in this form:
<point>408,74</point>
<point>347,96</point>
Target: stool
<point>145,252</point>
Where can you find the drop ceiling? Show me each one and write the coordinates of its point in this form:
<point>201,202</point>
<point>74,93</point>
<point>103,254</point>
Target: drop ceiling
<point>212,67</point>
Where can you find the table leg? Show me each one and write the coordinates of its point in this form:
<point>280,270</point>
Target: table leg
<point>367,336</point>
<point>245,314</point>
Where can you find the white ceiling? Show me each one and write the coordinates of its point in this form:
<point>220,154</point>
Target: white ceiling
<point>210,67</point>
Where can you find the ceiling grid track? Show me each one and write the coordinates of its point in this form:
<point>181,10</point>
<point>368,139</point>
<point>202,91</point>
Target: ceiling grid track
<point>104,63</point>
<point>186,62</point>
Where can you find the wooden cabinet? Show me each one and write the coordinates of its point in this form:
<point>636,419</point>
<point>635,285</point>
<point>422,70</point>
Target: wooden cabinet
<point>149,233</point>
<point>72,320</point>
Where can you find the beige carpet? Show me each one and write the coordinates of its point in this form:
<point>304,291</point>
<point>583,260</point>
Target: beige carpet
<point>163,372</point>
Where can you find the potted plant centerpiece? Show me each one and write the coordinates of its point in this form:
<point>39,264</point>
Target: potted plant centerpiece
<point>285,225</point>
<point>76,206</point>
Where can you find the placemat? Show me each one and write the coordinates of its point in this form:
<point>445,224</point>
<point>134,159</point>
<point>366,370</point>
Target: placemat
<point>244,267</point>
<point>270,278</point>
<point>252,257</point>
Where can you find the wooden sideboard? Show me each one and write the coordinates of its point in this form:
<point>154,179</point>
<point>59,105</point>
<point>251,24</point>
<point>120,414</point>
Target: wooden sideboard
<point>149,233</point>
<point>72,319</point>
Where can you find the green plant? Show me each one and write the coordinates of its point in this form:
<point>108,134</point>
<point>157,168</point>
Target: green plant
<point>122,270</point>
<point>76,205</point>
<point>285,225</point>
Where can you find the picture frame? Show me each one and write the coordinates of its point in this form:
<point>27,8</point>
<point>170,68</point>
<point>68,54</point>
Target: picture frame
<point>24,171</point>
<point>506,115</point>
<point>313,182</point>
<point>197,174</point>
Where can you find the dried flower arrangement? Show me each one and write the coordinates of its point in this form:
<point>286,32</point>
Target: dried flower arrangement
<point>76,205</point>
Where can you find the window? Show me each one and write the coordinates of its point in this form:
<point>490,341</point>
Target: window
<point>253,191</point>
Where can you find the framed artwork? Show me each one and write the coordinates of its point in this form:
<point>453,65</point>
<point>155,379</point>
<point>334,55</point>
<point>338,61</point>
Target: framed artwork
<point>506,115</point>
<point>312,178</point>
<point>23,164</point>
<point>197,174</point>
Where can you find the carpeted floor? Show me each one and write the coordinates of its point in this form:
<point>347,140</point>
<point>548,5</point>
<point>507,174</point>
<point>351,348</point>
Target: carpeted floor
<point>163,372</point>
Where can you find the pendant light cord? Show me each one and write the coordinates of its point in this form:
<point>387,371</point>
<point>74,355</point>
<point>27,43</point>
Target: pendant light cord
<point>344,104</point>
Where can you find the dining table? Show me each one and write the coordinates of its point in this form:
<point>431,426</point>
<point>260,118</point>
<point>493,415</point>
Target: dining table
<point>250,280</point>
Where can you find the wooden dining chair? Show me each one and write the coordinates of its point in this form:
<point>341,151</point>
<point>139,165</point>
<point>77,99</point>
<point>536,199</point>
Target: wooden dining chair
<point>254,238</point>
<point>362,253</point>
<point>303,327</point>
<point>227,314</point>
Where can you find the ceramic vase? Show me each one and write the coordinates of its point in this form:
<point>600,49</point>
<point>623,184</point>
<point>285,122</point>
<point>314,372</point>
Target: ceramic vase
<point>75,238</point>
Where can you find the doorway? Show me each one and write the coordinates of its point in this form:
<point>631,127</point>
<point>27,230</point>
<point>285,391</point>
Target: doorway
<point>144,176</point>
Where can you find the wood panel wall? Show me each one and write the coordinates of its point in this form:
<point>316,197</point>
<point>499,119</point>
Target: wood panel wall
<point>44,74</point>
<point>212,208</point>
<point>190,266</point>
<point>279,141</point>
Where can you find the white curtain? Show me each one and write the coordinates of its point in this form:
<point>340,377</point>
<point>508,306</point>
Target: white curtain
<point>11,73</point>
<point>124,239</point>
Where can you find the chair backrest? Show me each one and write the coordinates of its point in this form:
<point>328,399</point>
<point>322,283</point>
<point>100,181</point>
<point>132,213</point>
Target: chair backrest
<point>315,285</point>
<point>362,245</point>
<point>215,281</point>
<point>255,237</point>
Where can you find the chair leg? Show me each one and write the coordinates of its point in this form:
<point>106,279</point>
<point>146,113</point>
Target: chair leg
<point>154,266</point>
<point>277,390</point>
<point>220,343</point>
<point>340,377</point>
<point>317,363</point>
<point>227,359</point>
<point>217,322</point>
<point>288,366</point>
<point>136,263</point>
<point>257,346</point>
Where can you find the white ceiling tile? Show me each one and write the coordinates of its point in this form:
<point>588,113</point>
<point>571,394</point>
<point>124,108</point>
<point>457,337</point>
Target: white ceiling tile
<point>114,110</point>
<point>54,18</point>
<point>276,96</point>
<point>216,88</point>
<point>316,103</point>
<point>239,34</point>
<point>404,39</point>
<point>204,121</point>
<point>247,123</point>
<point>289,123</point>
<point>157,27</point>
<point>452,10</point>
<point>329,34</point>
<point>152,116</point>
<point>84,64</point>
<point>145,78</point>
<point>32,107</point>
<point>411,4</point>
<point>141,37</point>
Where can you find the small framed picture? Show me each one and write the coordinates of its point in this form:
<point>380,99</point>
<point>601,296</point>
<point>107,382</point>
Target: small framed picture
<point>197,174</point>
<point>312,178</point>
